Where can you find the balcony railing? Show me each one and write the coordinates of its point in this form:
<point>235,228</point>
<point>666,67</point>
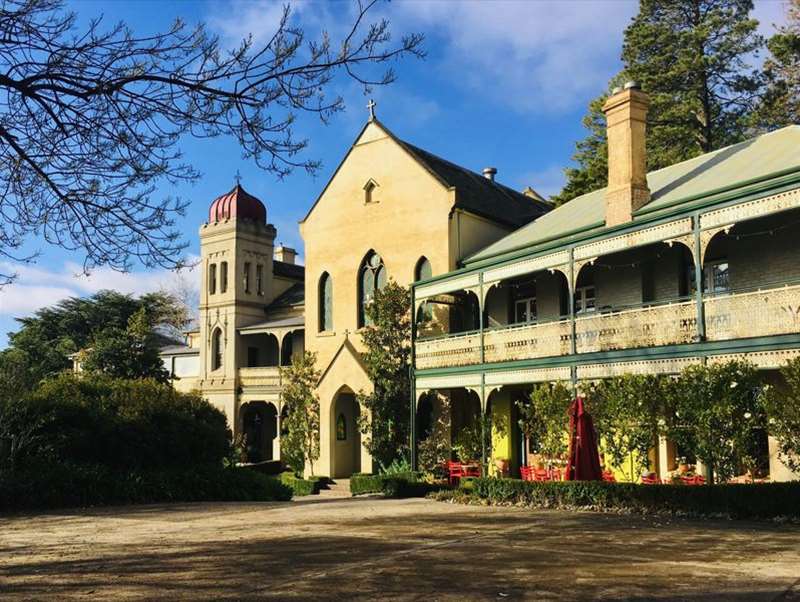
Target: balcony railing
<point>261,376</point>
<point>755,313</point>
<point>455,350</point>
<point>653,326</point>
<point>728,316</point>
<point>526,341</point>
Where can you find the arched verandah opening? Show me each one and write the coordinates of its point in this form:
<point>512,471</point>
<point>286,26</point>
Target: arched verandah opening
<point>292,344</point>
<point>345,434</point>
<point>260,431</point>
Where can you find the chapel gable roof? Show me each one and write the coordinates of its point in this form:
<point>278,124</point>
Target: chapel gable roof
<point>473,192</point>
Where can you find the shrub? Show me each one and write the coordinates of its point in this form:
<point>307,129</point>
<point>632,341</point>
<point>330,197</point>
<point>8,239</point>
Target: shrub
<point>122,424</point>
<point>765,500</point>
<point>397,485</point>
<point>67,485</point>
<point>301,487</point>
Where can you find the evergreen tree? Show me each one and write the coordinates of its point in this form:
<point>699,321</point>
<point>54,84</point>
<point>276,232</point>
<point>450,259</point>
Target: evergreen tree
<point>781,103</point>
<point>691,57</point>
<point>130,353</point>
<point>385,418</point>
<point>300,441</point>
<point>46,339</point>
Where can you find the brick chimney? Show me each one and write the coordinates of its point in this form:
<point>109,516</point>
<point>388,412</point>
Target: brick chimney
<point>626,119</point>
<point>285,254</point>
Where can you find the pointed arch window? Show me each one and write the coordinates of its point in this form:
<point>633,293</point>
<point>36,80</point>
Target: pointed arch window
<point>216,349</point>
<point>423,271</point>
<point>369,191</point>
<point>325,302</point>
<point>371,277</point>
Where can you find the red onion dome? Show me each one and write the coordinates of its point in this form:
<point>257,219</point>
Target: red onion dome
<point>237,204</point>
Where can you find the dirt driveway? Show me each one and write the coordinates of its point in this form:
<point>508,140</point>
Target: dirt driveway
<point>399,550</point>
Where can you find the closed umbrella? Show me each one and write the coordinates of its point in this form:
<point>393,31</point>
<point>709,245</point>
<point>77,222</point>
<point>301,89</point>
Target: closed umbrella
<point>584,458</point>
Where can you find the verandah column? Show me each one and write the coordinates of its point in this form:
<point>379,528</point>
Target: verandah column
<point>412,380</point>
<point>573,349</point>
<point>698,278</point>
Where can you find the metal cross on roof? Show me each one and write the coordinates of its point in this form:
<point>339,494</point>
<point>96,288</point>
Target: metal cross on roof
<point>238,178</point>
<point>371,106</point>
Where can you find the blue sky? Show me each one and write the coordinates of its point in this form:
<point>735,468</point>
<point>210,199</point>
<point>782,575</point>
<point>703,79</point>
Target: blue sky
<point>504,84</point>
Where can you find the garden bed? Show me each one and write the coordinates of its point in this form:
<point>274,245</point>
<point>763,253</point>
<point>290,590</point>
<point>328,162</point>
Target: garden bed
<point>398,485</point>
<point>761,500</point>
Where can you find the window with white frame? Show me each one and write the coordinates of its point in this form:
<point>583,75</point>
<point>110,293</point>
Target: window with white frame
<point>525,310</point>
<point>716,277</point>
<point>585,299</point>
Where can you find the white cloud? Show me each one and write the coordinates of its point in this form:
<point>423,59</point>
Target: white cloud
<point>37,287</point>
<point>531,56</point>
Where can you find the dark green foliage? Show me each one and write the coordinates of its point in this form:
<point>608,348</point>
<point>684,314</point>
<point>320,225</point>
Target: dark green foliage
<point>129,353</point>
<point>301,487</point>
<point>767,500</point>
<point>691,57</point>
<point>361,483</point>
<point>385,418</point>
<point>122,424</point>
<point>780,105</point>
<point>67,485</point>
<point>783,412</point>
<point>300,441</point>
<point>45,340</point>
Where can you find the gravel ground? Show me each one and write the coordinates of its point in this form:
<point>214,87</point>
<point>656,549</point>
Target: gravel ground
<point>370,548</point>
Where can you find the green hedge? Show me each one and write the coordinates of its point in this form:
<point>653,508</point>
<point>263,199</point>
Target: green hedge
<point>398,485</point>
<point>65,485</point>
<point>301,487</point>
<point>766,500</point>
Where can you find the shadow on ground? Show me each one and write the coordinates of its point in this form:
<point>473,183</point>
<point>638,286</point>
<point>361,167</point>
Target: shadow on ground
<point>367,549</point>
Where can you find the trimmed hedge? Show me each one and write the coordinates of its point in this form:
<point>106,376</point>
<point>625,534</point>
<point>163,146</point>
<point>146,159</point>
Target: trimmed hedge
<point>301,487</point>
<point>398,485</point>
<point>65,485</point>
<point>760,500</point>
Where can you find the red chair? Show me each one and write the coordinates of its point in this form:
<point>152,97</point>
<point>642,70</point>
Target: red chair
<point>694,480</point>
<point>455,472</point>
<point>647,480</point>
<point>541,474</point>
<point>470,470</point>
<point>526,473</point>
<point>609,477</point>
<point>555,474</point>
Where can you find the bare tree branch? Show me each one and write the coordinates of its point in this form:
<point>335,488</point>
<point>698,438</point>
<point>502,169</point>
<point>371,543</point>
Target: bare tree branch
<point>91,122</point>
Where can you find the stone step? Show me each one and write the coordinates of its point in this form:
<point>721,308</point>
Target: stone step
<point>340,488</point>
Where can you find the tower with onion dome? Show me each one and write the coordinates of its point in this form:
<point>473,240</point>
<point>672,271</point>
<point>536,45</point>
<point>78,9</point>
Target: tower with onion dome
<point>236,247</point>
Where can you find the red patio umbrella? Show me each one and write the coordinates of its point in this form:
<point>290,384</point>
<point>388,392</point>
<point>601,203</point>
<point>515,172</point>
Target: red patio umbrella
<point>584,458</point>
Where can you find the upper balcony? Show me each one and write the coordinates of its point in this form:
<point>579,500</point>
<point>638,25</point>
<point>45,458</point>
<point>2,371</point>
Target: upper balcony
<point>634,296</point>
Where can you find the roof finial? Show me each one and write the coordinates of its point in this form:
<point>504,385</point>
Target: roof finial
<point>371,106</point>
<point>238,178</point>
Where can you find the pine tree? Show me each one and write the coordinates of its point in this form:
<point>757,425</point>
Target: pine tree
<point>691,57</point>
<point>781,103</point>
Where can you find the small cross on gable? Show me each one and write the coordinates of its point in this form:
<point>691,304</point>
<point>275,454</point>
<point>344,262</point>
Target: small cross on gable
<point>371,106</point>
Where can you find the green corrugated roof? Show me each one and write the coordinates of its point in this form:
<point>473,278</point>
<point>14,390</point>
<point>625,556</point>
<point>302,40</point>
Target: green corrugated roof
<point>755,158</point>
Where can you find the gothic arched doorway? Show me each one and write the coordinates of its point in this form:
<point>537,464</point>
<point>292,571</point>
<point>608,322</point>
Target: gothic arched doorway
<point>259,428</point>
<point>345,435</point>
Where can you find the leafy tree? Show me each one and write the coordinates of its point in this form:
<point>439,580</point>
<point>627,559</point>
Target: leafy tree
<point>300,441</point>
<point>781,103</point>
<point>437,447</point>
<point>691,56</point>
<point>627,411</point>
<point>129,353</point>
<point>387,357</point>
<point>783,413</point>
<point>544,421</point>
<point>717,412</point>
<point>93,118</point>
<point>47,338</point>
